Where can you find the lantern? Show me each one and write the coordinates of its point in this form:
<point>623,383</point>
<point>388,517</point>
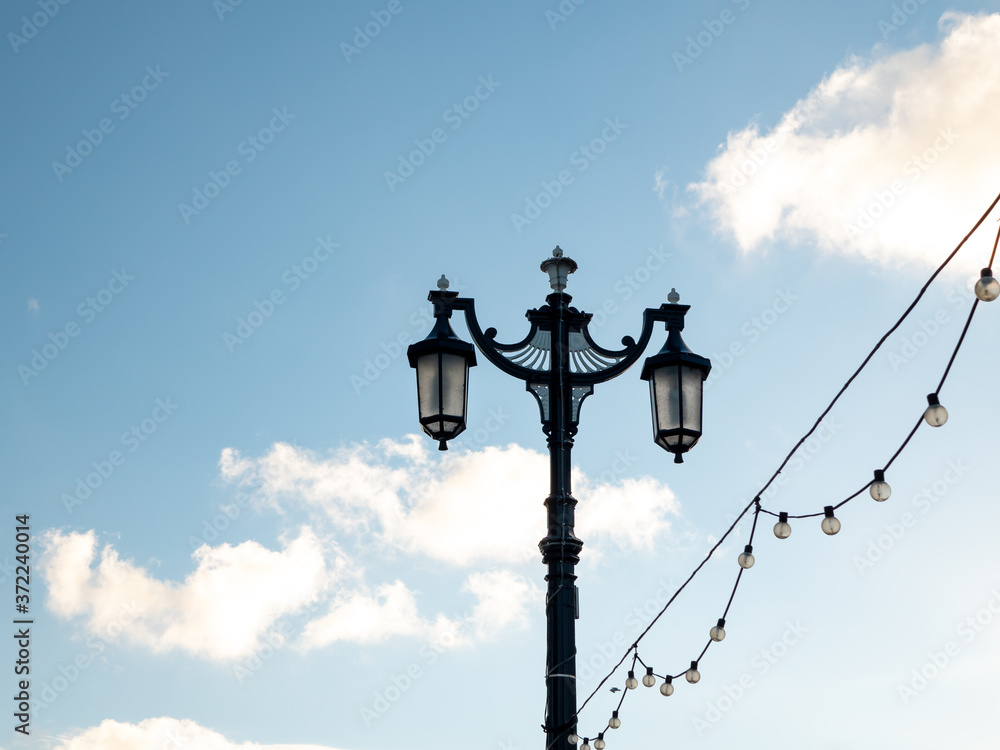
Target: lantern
<point>676,377</point>
<point>442,362</point>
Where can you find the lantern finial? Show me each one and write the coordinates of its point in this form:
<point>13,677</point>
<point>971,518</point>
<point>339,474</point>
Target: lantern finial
<point>443,283</point>
<point>673,298</point>
<point>558,268</point>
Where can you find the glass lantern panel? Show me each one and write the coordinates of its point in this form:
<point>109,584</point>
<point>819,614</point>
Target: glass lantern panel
<point>691,385</point>
<point>665,391</point>
<point>455,371</point>
<point>428,377</point>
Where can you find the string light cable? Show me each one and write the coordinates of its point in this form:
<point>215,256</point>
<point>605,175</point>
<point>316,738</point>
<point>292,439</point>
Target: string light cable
<point>986,289</point>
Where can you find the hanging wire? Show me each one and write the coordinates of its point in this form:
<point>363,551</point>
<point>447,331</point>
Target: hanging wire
<point>920,420</point>
<point>993,255</point>
<point>634,648</point>
<point>882,340</point>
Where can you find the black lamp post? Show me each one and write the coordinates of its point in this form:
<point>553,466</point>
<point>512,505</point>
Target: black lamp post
<point>560,364</point>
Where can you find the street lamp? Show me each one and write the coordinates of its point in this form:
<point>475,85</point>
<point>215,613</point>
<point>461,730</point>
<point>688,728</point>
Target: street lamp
<point>560,364</point>
<point>676,375</point>
<point>442,362</point>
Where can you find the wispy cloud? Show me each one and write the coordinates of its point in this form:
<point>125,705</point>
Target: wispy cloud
<point>220,611</point>
<point>890,158</point>
<point>359,617</point>
<point>482,506</point>
<point>479,509</point>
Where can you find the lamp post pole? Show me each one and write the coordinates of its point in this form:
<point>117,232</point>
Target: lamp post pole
<point>560,364</point>
<point>560,548</point>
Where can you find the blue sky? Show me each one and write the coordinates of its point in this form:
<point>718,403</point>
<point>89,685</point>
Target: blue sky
<point>219,225</point>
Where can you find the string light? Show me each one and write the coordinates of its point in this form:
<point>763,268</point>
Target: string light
<point>719,631</point>
<point>693,675</point>
<point>880,489</point>
<point>781,529</point>
<point>935,415</point>
<point>649,679</point>
<point>573,739</point>
<point>586,744</point>
<point>831,525</point>
<point>599,743</point>
<point>987,288</point>
<point>667,688</point>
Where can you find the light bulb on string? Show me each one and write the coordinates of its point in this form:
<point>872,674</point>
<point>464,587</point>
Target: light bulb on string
<point>935,414</point>
<point>880,489</point>
<point>615,721</point>
<point>987,288</point>
<point>572,738</point>
<point>719,631</point>
<point>781,529</point>
<point>830,525</point>
<point>746,557</point>
<point>693,675</point>
<point>586,744</point>
<point>599,743</point>
<point>631,683</point>
<point>667,688</point>
<point>649,679</point>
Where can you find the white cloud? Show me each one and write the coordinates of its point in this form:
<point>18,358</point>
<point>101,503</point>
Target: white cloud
<point>469,507</point>
<point>33,305</point>
<point>220,611</point>
<point>890,159</point>
<point>503,599</point>
<point>360,617</point>
<point>162,732</point>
